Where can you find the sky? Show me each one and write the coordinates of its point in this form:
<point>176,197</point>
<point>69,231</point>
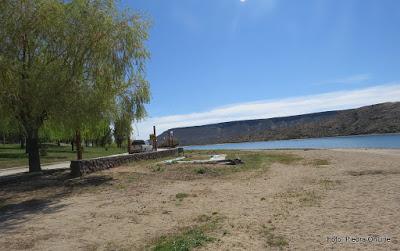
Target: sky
<point>224,60</point>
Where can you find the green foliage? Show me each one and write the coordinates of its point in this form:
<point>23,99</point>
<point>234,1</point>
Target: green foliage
<point>106,137</point>
<point>65,66</point>
<point>181,196</point>
<point>157,168</point>
<point>201,170</point>
<point>320,162</point>
<point>30,62</point>
<point>130,108</point>
<point>257,160</point>
<point>8,124</point>
<point>188,239</point>
<point>121,130</point>
<point>183,242</point>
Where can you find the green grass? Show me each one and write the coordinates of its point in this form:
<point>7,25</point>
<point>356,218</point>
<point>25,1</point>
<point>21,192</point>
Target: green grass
<point>157,168</point>
<point>181,196</point>
<point>196,155</point>
<point>188,239</point>
<point>185,241</point>
<point>201,170</point>
<point>12,156</point>
<point>253,160</point>
<point>257,160</point>
<point>320,162</point>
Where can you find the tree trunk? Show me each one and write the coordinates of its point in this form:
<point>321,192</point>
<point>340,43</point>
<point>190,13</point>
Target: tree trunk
<point>32,144</point>
<point>4,139</point>
<point>72,145</point>
<point>58,143</point>
<point>129,144</point>
<point>22,141</point>
<point>78,145</point>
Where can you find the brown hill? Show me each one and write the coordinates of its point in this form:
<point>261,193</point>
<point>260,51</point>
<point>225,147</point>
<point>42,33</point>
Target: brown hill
<point>379,118</point>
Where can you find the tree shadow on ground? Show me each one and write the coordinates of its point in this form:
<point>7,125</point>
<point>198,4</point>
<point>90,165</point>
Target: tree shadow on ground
<point>58,178</point>
<point>61,150</point>
<point>14,214</point>
<point>16,147</point>
<point>13,155</point>
<point>49,157</point>
<point>24,196</point>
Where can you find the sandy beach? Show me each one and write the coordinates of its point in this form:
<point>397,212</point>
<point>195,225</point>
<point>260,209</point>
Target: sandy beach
<point>320,199</point>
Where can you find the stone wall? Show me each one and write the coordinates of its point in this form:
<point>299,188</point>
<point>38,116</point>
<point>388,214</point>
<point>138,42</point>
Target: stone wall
<point>82,167</point>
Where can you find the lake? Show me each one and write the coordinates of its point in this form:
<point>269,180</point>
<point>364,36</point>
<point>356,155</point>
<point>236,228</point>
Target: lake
<point>359,141</point>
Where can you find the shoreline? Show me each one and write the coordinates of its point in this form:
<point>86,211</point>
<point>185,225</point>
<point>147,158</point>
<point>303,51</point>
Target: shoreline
<point>305,140</point>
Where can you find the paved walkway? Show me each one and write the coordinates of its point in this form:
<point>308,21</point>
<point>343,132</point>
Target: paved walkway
<point>17,170</point>
<point>61,165</point>
<point>51,166</point>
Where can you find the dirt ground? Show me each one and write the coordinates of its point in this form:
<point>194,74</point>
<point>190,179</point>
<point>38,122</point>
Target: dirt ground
<point>315,200</point>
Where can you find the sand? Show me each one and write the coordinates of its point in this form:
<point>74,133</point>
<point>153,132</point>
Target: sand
<point>331,199</point>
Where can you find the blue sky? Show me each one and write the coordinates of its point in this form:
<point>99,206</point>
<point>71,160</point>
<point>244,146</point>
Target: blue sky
<point>212,58</point>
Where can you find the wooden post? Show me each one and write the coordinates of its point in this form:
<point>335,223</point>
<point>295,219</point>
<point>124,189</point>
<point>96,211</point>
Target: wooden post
<point>154,139</point>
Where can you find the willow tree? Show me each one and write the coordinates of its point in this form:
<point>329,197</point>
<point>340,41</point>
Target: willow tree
<point>66,61</point>
<point>31,65</point>
<point>110,63</point>
<point>131,109</point>
<point>6,124</point>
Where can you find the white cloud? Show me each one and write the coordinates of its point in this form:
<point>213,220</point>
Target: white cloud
<point>274,108</point>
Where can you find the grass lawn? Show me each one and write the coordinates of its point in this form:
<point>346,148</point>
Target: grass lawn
<point>12,156</point>
<point>251,159</point>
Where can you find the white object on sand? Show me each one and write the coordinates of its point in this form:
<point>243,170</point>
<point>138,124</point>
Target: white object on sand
<point>173,160</point>
<point>213,158</point>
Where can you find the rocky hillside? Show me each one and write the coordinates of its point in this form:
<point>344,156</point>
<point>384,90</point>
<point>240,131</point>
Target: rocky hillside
<point>380,118</point>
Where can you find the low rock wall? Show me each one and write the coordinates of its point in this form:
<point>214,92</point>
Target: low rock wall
<point>82,167</point>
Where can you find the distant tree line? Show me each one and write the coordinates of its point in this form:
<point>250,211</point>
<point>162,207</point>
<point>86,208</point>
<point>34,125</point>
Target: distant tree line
<point>70,71</point>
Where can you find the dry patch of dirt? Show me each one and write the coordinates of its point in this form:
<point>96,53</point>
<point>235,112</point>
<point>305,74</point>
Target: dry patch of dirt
<point>275,202</point>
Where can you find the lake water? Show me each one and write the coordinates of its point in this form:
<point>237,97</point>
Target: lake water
<point>362,141</point>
